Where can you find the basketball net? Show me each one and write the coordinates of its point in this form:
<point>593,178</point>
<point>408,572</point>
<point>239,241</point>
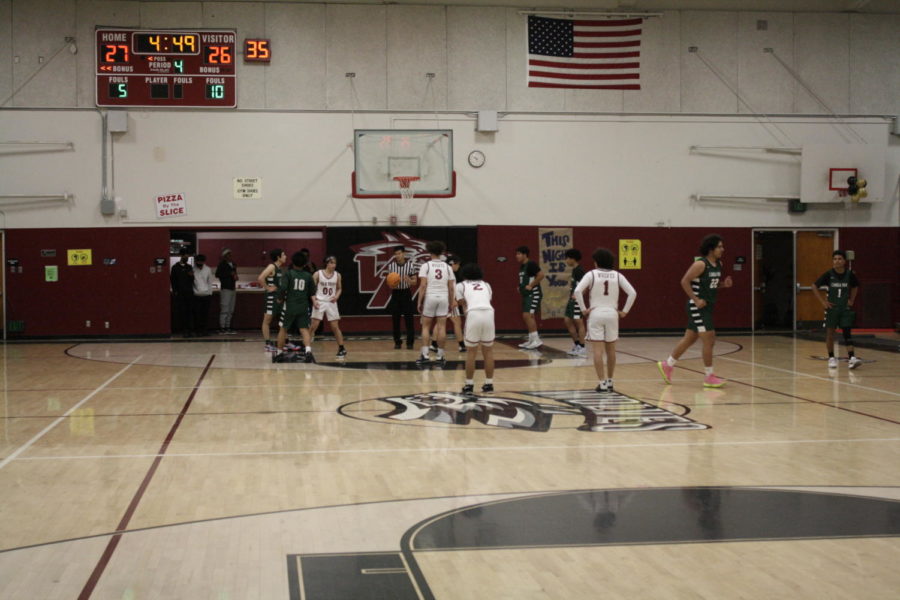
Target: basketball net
<point>407,193</point>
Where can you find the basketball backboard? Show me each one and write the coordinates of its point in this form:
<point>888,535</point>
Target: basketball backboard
<point>383,155</point>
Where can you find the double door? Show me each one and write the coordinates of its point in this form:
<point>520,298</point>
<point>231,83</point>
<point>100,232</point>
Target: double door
<point>786,263</point>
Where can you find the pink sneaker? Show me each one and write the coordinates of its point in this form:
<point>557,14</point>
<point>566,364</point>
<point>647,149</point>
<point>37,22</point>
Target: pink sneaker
<point>711,381</point>
<point>666,371</point>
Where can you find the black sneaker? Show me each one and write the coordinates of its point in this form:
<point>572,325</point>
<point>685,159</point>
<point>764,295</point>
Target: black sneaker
<point>342,353</point>
<point>409,345</point>
<point>423,360</point>
<point>309,358</point>
<point>487,388</point>
<point>462,347</point>
<point>281,357</point>
<point>468,389</point>
<point>398,346</point>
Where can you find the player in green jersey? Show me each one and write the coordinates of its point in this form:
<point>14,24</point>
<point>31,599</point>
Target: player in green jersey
<point>573,319</point>
<point>842,286</point>
<point>530,276</point>
<point>701,283</point>
<point>270,280</point>
<point>297,289</point>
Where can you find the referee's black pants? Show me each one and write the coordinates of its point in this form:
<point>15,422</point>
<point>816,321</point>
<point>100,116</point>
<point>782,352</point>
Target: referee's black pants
<point>402,304</point>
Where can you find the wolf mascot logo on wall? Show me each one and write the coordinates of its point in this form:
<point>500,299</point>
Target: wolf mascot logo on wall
<point>372,260</point>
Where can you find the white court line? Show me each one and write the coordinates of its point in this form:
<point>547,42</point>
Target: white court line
<point>61,418</point>
<point>464,449</point>
<point>798,373</point>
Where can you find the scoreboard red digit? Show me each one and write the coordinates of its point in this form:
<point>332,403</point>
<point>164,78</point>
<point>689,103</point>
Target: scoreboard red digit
<point>166,68</point>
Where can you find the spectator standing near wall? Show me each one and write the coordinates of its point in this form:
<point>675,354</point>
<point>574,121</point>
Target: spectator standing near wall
<point>202,294</point>
<point>182,281</point>
<point>226,272</point>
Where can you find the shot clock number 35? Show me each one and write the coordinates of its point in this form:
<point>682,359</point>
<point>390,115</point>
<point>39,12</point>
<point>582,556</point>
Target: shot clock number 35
<point>166,68</point>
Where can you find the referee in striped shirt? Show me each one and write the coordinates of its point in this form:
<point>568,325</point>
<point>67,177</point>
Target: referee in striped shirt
<point>401,297</point>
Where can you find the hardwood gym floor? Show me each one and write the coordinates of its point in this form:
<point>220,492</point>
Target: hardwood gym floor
<point>199,469</point>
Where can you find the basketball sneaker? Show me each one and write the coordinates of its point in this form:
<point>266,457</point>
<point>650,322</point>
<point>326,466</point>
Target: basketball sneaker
<point>534,344</point>
<point>582,351</point>
<point>468,389</point>
<point>409,346</point>
<point>854,362</point>
<point>342,352</point>
<point>292,347</point>
<point>309,358</point>
<point>440,361</point>
<point>270,346</point>
<point>609,385</point>
<point>487,388</point>
<point>832,363</point>
<point>525,344</point>
<point>711,381</point>
<point>398,346</point>
<point>666,371</point>
<point>573,351</point>
<point>423,360</point>
<point>601,387</point>
<point>462,347</point>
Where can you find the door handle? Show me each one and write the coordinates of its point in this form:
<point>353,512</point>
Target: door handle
<point>804,288</point>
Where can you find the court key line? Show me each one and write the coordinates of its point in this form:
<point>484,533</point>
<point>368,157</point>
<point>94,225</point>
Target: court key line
<point>91,583</point>
<point>466,449</point>
<point>64,416</point>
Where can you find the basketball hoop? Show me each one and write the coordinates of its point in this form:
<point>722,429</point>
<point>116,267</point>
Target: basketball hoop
<point>406,191</point>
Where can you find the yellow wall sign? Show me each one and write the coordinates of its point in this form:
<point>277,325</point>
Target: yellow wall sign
<point>79,258</point>
<point>629,254</point>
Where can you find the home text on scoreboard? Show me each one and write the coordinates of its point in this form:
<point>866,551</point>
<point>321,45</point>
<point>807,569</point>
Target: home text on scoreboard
<point>152,68</point>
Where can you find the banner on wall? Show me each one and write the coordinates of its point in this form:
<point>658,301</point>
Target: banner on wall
<point>364,253</point>
<point>553,243</point>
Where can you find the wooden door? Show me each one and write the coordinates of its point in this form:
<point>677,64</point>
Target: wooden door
<point>814,250</point>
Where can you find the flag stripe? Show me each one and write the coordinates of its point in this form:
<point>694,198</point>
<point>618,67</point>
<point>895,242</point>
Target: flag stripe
<point>589,33</point>
<point>580,76</point>
<point>575,86</point>
<point>607,23</point>
<point>635,44</point>
<point>575,65</point>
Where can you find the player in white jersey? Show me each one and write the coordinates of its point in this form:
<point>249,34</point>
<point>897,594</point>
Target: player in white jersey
<point>328,290</point>
<point>437,297</point>
<point>603,315</point>
<point>475,296</point>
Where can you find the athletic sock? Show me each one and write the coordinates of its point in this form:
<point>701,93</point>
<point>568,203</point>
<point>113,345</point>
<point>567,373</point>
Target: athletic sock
<point>708,371</point>
<point>850,354</point>
<point>308,349</point>
<point>490,380</point>
<point>470,382</point>
<point>671,361</point>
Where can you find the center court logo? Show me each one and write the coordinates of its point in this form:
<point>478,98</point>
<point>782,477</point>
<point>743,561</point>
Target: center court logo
<point>609,411</point>
<point>372,260</point>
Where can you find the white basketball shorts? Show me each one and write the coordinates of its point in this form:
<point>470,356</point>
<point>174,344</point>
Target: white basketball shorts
<point>327,309</point>
<point>479,328</point>
<point>436,306</point>
<point>603,325</point>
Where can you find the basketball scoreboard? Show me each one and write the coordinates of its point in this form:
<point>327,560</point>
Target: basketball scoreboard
<point>166,68</point>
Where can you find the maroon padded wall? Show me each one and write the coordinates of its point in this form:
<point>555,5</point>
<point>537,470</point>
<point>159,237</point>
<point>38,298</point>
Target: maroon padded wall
<point>127,295</point>
<point>877,264</point>
<point>666,255</point>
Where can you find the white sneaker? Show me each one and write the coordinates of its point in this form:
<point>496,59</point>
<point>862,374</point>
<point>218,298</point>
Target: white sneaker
<point>581,351</point>
<point>525,344</point>
<point>573,351</point>
<point>854,362</point>
<point>832,363</point>
<point>534,344</point>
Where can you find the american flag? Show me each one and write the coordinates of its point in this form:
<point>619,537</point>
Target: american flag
<point>575,53</point>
